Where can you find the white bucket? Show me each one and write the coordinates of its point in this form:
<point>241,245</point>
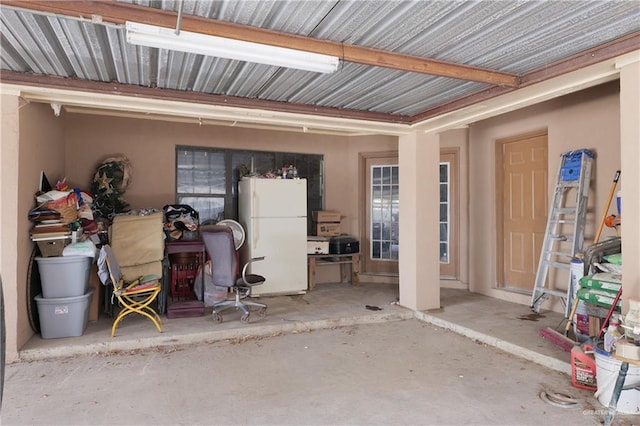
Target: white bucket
<point>576,269</point>
<point>607,369</point>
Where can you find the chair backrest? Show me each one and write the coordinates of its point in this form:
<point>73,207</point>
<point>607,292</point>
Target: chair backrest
<point>108,267</point>
<point>218,241</point>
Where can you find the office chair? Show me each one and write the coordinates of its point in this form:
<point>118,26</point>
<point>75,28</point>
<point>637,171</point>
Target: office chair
<point>134,296</point>
<point>219,243</point>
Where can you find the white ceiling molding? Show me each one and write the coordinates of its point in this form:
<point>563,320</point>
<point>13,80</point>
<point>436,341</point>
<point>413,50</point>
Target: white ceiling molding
<point>77,100</point>
<point>202,122</point>
<point>631,58</point>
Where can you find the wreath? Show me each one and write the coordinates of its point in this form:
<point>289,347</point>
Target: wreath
<point>112,178</point>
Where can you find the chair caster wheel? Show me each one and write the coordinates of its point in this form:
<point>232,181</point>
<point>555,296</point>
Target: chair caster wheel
<point>217,318</point>
<point>262,312</point>
<point>246,318</point>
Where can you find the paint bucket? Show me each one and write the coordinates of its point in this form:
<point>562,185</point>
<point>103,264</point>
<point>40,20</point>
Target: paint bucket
<point>607,369</point>
<point>583,368</point>
<point>581,323</point>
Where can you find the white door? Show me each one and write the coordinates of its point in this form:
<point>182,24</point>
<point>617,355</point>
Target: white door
<point>283,243</point>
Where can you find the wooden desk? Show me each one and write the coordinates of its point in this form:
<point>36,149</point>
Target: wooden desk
<point>353,259</point>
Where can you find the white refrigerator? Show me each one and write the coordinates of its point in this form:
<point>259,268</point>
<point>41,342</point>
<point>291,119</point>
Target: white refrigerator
<point>273,213</point>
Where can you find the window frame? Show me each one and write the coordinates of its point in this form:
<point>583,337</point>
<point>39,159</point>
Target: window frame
<point>311,162</point>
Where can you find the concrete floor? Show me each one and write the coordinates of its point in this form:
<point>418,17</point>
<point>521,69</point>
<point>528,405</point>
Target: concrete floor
<point>358,366</point>
<point>482,318</point>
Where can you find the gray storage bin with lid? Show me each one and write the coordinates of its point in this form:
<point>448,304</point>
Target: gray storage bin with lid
<point>64,276</point>
<point>63,316</point>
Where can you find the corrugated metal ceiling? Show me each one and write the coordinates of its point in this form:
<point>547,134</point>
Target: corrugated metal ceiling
<point>508,36</point>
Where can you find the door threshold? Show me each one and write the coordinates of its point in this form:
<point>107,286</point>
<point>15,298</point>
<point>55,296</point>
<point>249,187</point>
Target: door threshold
<point>516,290</point>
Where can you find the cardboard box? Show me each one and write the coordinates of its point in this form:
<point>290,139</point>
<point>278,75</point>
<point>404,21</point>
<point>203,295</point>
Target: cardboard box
<point>327,229</point>
<point>317,245</point>
<point>52,247</point>
<point>326,216</point>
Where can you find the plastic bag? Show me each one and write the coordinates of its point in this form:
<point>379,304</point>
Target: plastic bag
<point>179,220</point>
<point>82,248</point>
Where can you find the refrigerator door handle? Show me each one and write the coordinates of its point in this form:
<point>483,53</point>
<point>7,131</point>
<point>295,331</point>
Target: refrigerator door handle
<point>254,222</point>
<point>254,240</point>
<point>256,204</point>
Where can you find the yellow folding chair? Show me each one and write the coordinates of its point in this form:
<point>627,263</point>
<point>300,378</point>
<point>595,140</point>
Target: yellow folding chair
<point>134,296</point>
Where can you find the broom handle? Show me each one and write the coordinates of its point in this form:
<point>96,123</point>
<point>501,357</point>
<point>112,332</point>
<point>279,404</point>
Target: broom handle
<point>605,324</point>
<point>606,210</point>
<point>574,308</point>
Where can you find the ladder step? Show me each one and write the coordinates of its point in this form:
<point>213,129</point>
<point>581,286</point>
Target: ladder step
<point>558,265</point>
<point>568,183</point>
<point>562,221</point>
<point>556,293</point>
<point>566,210</point>
<point>561,238</point>
<point>557,253</point>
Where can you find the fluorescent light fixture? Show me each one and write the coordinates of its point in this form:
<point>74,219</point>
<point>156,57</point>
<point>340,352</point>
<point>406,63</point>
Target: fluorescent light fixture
<point>203,44</point>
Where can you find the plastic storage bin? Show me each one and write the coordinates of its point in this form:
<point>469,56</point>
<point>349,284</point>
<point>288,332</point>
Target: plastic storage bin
<point>63,316</point>
<point>66,276</point>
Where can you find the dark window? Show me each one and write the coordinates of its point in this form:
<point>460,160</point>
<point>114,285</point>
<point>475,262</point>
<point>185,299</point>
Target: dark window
<point>207,178</point>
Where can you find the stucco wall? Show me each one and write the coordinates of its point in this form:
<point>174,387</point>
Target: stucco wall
<point>41,148</point>
<point>587,119</point>
<point>10,134</point>
<point>150,146</point>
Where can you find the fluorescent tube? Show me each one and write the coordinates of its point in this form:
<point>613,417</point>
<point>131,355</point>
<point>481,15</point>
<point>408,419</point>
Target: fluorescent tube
<point>203,44</point>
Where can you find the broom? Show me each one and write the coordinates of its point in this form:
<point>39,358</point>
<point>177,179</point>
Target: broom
<point>557,338</point>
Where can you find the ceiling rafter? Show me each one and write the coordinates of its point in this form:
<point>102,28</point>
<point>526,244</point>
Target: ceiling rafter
<point>118,13</point>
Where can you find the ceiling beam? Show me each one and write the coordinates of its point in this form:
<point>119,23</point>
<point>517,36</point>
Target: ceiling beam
<point>118,13</point>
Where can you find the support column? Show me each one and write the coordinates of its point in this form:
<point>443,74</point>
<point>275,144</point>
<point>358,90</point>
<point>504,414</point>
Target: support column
<point>630,152</point>
<point>419,265</point>
<point>9,178</point>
